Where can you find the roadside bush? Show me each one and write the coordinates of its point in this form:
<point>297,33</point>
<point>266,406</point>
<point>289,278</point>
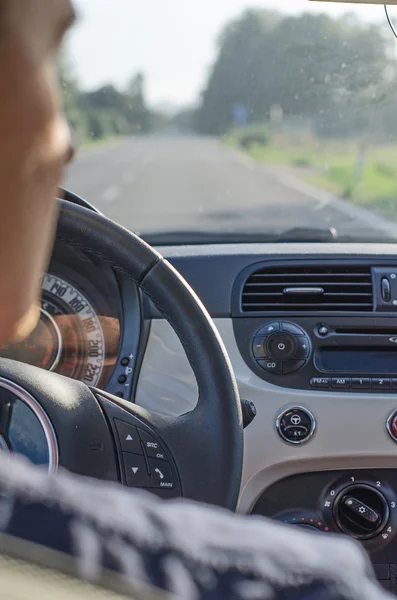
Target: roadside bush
<point>250,139</point>
<point>386,170</point>
<point>301,161</point>
<point>100,124</point>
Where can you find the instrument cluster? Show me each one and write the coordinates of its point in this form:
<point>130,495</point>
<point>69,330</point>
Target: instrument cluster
<point>78,333</point>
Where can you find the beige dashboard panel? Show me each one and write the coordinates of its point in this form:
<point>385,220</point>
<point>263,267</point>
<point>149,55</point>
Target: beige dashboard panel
<point>351,431</point>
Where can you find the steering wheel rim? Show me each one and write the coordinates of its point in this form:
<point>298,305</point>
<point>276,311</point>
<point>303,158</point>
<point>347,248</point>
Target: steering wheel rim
<point>206,444</point>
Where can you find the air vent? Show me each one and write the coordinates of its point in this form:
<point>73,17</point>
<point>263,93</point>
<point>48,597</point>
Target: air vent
<point>309,288</point>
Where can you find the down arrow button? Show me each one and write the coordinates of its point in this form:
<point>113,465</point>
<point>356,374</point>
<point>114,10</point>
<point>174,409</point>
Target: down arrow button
<point>136,474</point>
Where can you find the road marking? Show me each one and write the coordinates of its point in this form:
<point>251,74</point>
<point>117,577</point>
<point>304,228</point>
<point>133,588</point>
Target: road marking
<point>321,197</point>
<point>127,177</point>
<point>111,193</point>
<point>324,198</point>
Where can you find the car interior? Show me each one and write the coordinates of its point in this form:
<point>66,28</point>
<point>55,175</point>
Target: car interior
<point>259,375</point>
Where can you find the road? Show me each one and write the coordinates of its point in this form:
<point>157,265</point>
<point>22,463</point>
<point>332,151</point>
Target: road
<point>167,183</point>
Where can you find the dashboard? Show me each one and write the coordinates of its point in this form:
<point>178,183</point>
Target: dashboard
<point>311,331</point>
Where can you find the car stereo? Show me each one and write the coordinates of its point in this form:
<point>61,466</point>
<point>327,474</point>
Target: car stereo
<point>333,353</point>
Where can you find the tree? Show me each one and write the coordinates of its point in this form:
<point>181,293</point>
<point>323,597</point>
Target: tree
<point>137,108</point>
<point>311,66</point>
<point>105,111</point>
<point>71,96</point>
<point>243,46</point>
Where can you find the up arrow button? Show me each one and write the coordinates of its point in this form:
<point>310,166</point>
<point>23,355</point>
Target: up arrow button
<point>128,437</point>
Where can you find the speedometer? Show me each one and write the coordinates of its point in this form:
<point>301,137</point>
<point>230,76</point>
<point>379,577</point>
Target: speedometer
<point>83,352</point>
<point>69,337</point>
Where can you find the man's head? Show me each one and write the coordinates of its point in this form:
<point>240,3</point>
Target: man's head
<point>34,148</point>
<point>31,32</point>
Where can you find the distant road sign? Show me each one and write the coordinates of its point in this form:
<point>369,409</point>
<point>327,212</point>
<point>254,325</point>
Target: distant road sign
<point>240,114</point>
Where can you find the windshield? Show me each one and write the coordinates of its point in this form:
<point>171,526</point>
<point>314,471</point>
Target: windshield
<point>231,120</point>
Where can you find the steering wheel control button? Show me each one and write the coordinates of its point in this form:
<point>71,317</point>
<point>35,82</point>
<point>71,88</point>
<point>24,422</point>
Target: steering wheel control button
<point>269,329</point>
<point>128,436</point>
<point>320,382</point>
<point>341,383</point>
<point>296,425</point>
<point>291,366</point>
<point>259,347</point>
<point>152,446</point>
<point>291,328</point>
<point>122,378</point>
<point>391,425</point>
<point>125,361</point>
<point>363,383</point>
<point>380,384</point>
<point>136,474</point>
<point>136,471</point>
<point>161,475</point>
<point>271,366</point>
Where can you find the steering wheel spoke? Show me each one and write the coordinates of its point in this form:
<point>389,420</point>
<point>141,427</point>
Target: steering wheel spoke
<point>146,460</point>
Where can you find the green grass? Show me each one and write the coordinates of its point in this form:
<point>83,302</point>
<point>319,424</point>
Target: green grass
<point>281,156</point>
<point>332,165</point>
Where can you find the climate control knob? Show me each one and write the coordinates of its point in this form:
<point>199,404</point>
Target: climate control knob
<point>361,511</point>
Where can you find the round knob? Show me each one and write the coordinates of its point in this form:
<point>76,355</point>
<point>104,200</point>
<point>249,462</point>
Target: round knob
<point>361,511</point>
<point>281,346</point>
<point>296,425</point>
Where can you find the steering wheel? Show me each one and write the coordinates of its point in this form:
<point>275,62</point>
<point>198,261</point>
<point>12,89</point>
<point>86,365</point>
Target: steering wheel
<point>198,455</point>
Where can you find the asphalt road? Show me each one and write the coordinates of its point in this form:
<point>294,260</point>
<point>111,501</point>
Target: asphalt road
<point>167,183</point>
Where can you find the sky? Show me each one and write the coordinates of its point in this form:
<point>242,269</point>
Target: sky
<point>172,41</point>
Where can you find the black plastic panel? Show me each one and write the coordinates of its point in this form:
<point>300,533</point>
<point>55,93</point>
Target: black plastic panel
<point>301,499</point>
<point>375,265</point>
<point>124,375</point>
<point>224,264</point>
